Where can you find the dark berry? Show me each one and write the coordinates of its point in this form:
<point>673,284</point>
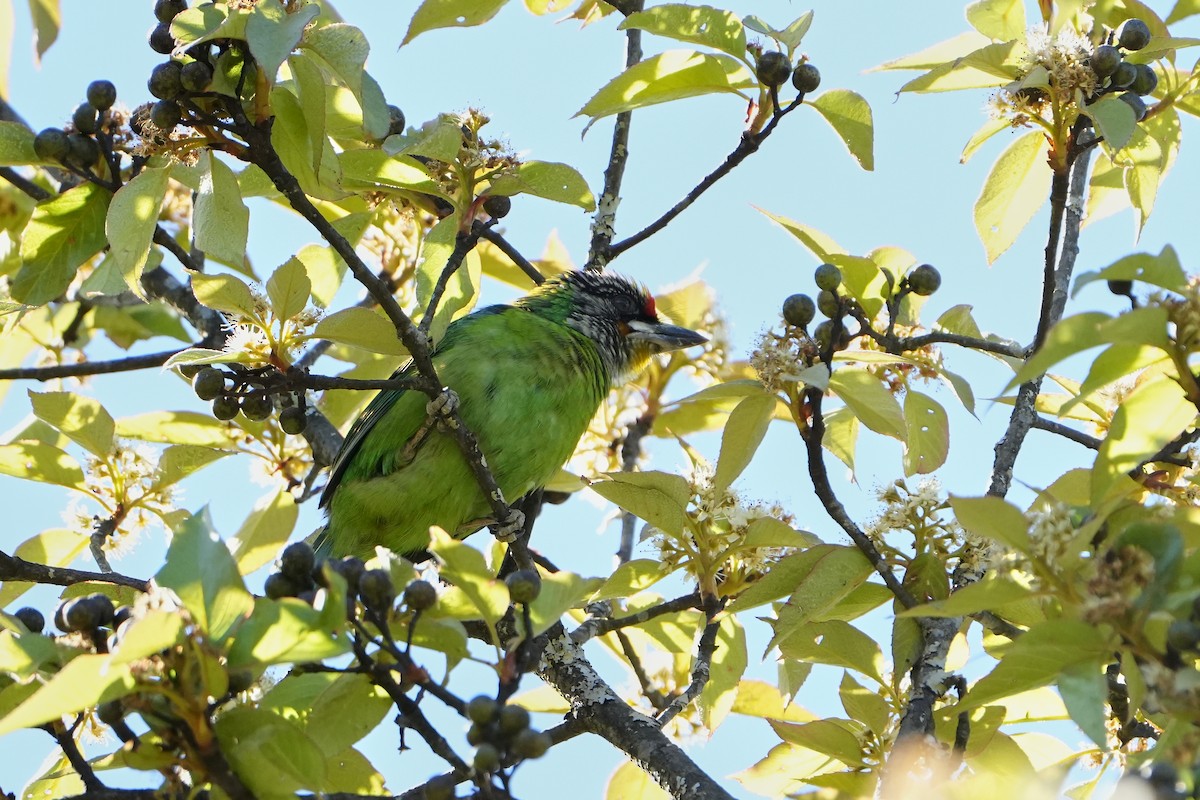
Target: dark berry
<point>420,595</point>
<point>513,720</point>
<point>293,420</point>
<point>497,206</point>
<point>225,407</point>
<point>195,76</point>
<point>84,119</point>
<point>806,78</point>
<point>257,407</point>
<point>1146,81</point>
<point>82,151</point>
<point>209,383</point>
<point>773,68</point>
<point>376,590</point>
<point>165,115</point>
<point>478,734</point>
<point>164,82</point>
<point>441,788</point>
<point>297,561</point>
<point>351,568</point>
<point>1125,75</point>
<point>110,713</point>
<point>1125,288</point>
<point>827,276</point>
<point>160,38</point>
<point>482,709</point>
<point>924,280</point>
<point>87,613</point>
<point>167,10</point>
<point>531,744</point>
<point>1183,635</point>
<point>1134,34</point>
<point>1135,102</point>
<point>487,758</point>
<point>524,585</point>
<point>51,144</point>
<point>1105,60</point>
<point>799,310</point>
<point>278,585</point>
<point>122,615</point>
<point>31,618</point>
<point>101,94</point>
<point>395,120</point>
<point>240,680</point>
<point>828,304</point>
<point>823,334</point>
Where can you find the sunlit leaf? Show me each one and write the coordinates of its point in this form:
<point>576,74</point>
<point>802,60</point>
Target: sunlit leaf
<point>1016,188</point>
<point>672,75</point>
<point>850,116</point>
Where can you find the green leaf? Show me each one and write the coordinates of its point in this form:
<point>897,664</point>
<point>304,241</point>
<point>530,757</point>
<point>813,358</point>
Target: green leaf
<point>148,634</point>
<point>202,572</point>
<point>16,145</point>
<point>989,66</point>
<point>22,654</point>
<point>361,327</point>
<point>1149,418</point>
<point>461,288</point>
<point>434,14</point>
<point>928,440</point>
<point>943,52</point>
<point>672,75</point>
<point>132,217</point>
<point>1114,120</point>
<point>334,711</point>
<point>86,680</point>
<point>1084,691</point>
<point>838,573</point>
<point>35,461</point>
<point>464,566</point>
<point>659,498</point>
<point>1182,10</point>
<point>703,25</point>
<point>850,116</point>
<point>319,174</point>
<point>818,243</point>
<point>65,231</point>
<point>987,131</point>
<point>835,738</point>
<point>761,699</point>
<point>1016,188</point>
<point>837,643</point>
<point>286,631</point>
<point>993,518</point>
<point>82,419</point>
<point>221,221</point>
<point>344,48</point>
<point>1162,270</point>
<point>988,594</point>
<point>265,531</point>
<point>288,289</point>
<point>1147,325</point>
<point>272,755</point>
<point>177,427</point>
<point>181,460</point>
<point>47,19</point>
<point>1000,20</point>
<point>370,168</point>
<point>805,571</point>
<point>743,433</point>
<point>272,32</point>
<point>629,578</point>
<point>224,292</point>
<point>871,402</point>
<point>561,591</point>
<point>561,183</point>
<point>728,665</point>
<point>1037,657</point>
<point>864,705</point>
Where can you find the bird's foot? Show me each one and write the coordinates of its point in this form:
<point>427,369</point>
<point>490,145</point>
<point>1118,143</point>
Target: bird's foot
<point>443,408</point>
<point>509,529</point>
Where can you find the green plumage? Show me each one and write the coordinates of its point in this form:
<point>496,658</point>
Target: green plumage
<point>529,378</point>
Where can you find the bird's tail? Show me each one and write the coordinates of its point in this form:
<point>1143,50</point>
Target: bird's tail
<point>321,542</point>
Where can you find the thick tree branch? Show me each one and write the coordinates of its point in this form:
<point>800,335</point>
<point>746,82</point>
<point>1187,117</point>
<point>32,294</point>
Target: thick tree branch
<point>128,364</point>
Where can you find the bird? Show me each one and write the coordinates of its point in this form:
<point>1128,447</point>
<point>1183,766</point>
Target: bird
<point>529,378</point>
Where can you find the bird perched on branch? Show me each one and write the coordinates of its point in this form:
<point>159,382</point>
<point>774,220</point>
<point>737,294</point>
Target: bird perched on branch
<point>529,378</point>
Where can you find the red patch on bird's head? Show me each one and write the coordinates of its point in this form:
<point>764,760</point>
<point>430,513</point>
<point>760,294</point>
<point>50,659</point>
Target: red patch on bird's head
<point>651,311</point>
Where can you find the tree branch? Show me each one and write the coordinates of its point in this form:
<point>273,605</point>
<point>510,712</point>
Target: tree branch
<point>13,568</point>
<point>504,246</point>
<point>1065,431</point>
<point>128,364</point>
<point>598,626</point>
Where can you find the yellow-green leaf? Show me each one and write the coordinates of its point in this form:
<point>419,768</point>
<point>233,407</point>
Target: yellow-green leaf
<point>928,441</point>
<point>273,31</point>
<point>672,75</point>
<point>850,116</point>
<point>743,433</point>
<point>86,680</point>
<point>132,217</point>
<point>993,518</point>
<point>434,14</point>
<point>65,231</point>
<point>659,498</point>
<point>288,289</point>
<point>872,403</point>
<point>35,461</point>
<point>1149,418</point>
<point>56,547</point>
<point>82,419</point>
<point>1016,188</point>
<point>221,221</point>
<point>265,531</point>
<point>728,665</point>
<point>16,145</point>
<point>361,327</point>
<point>818,243</point>
<point>202,572</point>
<point>629,781</point>
<point>223,292</point>
<point>47,19</point>
<point>704,25</point>
<point>1114,118</point>
<point>559,182</point>
<point>989,66</point>
<point>1000,20</point>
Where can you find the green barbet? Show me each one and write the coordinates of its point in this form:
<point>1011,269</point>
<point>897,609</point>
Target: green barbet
<point>529,378</point>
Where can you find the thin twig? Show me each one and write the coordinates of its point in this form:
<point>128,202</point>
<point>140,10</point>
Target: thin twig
<point>701,671</point>
<point>463,244</point>
<point>128,364</point>
<point>656,698</point>
<point>13,568</point>
<point>631,453</point>
<point>1065,431</point>
<point>504,246</point>
<point>598,626</point>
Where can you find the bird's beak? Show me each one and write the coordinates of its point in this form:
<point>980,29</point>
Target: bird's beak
<point>663,337</point>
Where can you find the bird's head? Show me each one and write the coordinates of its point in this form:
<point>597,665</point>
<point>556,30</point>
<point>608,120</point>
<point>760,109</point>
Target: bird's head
<point>614,312</point>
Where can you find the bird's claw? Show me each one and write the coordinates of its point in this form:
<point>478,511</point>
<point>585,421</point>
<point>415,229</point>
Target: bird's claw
<point>509,529</point>
<point>443,408</point>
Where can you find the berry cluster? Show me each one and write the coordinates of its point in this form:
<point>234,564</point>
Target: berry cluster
<point>246,395</point>
<point>93,616</point>
<point>498,730</point>
<point>1134,81</point>
<point>774,68</point>
<point>78,147</point>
